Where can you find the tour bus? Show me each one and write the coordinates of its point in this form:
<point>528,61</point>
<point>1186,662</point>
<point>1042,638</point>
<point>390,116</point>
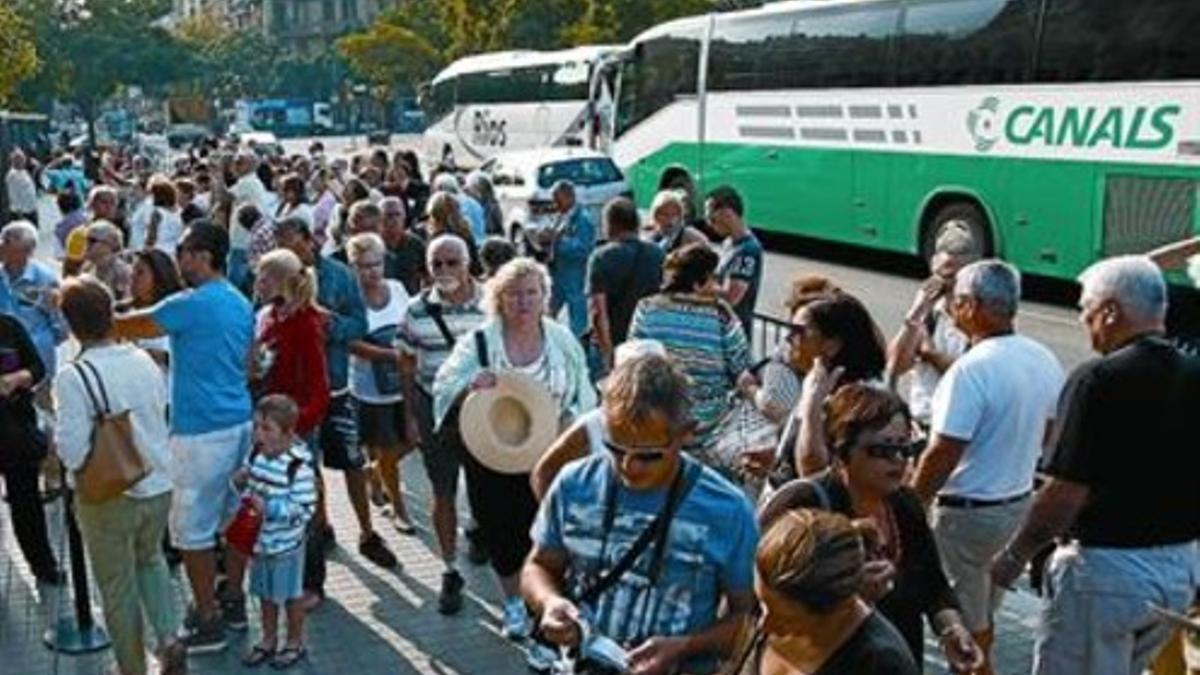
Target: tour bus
<point>514,100</point>
<point>1056,131</point>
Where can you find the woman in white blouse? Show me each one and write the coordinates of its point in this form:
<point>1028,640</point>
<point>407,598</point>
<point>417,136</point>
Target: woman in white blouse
<point>122,535</point>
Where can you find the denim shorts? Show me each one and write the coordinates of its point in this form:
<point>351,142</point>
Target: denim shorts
<point>278,578</point>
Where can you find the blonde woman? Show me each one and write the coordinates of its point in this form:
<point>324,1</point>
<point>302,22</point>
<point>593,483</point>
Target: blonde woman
<point>375,374</point>
<point>289,338</point>
<point>520,337</point>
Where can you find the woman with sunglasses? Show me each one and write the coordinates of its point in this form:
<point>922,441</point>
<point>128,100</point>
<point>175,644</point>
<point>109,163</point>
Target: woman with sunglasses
<point>869,431</point>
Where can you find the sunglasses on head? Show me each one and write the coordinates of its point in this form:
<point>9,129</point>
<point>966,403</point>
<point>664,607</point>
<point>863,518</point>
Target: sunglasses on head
<point>901,450</point>
<point>649,457</point>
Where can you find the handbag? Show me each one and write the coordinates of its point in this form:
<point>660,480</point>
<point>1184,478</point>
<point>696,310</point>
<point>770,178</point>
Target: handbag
<point>386,374</point>
<point>114,464</point>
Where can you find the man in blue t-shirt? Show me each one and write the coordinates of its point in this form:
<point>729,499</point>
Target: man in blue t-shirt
<point>664,607</point>
<point>739,272</point>
<point>211,328</point>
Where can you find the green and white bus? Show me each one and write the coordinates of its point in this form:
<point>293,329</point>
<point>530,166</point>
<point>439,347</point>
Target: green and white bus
<point>516,100</point>
<point>1057,131</point>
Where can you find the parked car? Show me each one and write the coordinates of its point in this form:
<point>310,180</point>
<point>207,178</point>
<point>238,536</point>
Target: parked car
<point>262,142</point>
<point>523,180</point>
<point>183,136</point>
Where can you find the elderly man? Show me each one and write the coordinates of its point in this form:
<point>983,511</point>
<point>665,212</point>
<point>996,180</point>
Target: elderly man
<point>246,189</point>
<point>34,289</point>
<point>406,248</point>
<point>569,243</point>
<point>102,258</point>
<point>928,341</point>
<point>22,193</point>
<point>643,543</point>
<point>1124,494</point>
<point>434,320</point>
<point>210,327</point>
<point>992,412</point>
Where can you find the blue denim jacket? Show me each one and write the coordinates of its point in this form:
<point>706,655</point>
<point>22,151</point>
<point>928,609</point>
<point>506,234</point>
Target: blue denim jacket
<point>338,293</point>
<point>26,297</point>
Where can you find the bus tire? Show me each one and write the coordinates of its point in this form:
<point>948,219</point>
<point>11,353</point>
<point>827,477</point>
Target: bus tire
<point>961,214</point>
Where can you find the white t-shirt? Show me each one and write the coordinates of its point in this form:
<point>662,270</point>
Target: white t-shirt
<point>22,193</point>
<point>139,224</point>
<point>384,320</point>
<point>998,397</point>
<point>170,230</point>
<point>247,189</point>
<point>946,339</point>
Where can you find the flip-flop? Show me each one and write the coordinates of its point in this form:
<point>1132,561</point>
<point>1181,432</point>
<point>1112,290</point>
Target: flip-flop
<point>404,526</point>
<point>288,656</point>
<point>257,656</point>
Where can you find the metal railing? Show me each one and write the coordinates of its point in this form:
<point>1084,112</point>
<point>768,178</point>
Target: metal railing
<point>768,333</point>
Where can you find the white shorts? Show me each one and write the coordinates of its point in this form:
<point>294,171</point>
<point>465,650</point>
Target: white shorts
<point>203,500</point>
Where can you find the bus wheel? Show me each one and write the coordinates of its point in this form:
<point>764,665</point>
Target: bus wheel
<point>964,216</point>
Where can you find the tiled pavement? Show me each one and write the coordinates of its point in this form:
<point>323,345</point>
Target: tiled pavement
<point>374,621</point>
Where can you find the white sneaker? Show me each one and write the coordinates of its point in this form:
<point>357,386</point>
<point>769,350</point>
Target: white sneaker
<point>516,619</point>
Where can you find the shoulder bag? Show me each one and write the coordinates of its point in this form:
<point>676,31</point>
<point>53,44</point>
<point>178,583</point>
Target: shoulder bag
<point>114,464</point>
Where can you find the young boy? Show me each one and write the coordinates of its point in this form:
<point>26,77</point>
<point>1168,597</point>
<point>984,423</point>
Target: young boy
<point>278,478</point>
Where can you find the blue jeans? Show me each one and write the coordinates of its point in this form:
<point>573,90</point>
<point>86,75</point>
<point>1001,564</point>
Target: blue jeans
<point>567,289</point>
<point>1097,618</point>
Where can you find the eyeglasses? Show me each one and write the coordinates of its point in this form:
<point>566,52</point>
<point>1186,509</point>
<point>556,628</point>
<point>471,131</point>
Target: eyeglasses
<point>448,263</point>
<point>368,264</point>
<point>901,450</point>
<point>796,332</point>
<point>96,240</point>
<point>643,457</point>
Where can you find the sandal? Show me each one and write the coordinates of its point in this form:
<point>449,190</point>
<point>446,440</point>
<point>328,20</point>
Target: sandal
<point>288,656</point>
<point>258,655</point>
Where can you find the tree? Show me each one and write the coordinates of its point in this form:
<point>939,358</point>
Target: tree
<point>100,46</point>
<point>20,53</point>
<point>388,54</point>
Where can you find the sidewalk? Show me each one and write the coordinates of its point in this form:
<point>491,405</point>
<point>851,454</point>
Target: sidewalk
<point>374,621</point>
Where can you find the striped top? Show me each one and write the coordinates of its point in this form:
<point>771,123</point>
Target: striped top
<point>706,339</point>
<point>287,486</point>
<point>418,334</point>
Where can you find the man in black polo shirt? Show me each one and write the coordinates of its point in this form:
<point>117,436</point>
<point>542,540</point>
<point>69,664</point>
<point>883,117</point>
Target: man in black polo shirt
<point>619,274</point>
<point>1124,488</point>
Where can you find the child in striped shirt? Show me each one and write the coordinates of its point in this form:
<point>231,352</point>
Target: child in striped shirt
<point>279,480</point>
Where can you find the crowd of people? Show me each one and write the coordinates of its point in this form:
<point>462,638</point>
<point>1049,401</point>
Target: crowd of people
<point>259,321</point>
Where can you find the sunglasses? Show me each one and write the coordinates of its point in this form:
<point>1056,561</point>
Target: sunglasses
<point>796,332</point>
<point>902,450</point>
<point>449,263</point>
<point>620,454</point>
<point>96,240</point>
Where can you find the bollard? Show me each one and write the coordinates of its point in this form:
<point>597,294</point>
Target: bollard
<point>76,634</point>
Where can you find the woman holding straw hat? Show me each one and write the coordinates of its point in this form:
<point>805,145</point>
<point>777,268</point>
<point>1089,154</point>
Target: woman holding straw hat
<point>517,339</point>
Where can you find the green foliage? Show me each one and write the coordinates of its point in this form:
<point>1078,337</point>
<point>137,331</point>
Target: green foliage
<point>95,47</point>
<point>20,52</point>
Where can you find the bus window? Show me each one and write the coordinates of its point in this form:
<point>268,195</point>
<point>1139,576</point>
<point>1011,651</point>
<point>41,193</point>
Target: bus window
<point>751,53</point>
<point>967,42</point>
<point>566,82</point>
<point>666,69</point>
<point>845,47</point>
<point>1115,40</point>
<point>440,100</point>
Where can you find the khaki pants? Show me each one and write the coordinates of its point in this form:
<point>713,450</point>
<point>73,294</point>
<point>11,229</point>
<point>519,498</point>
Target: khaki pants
<point>123,538</point>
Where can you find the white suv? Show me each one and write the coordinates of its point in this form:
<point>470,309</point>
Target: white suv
<point>523,180</point>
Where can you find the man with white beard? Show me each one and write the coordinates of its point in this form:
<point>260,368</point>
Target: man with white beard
<point>450,309</point>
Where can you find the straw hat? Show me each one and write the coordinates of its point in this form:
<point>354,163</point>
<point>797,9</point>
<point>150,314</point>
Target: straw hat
<point>510,426</point>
